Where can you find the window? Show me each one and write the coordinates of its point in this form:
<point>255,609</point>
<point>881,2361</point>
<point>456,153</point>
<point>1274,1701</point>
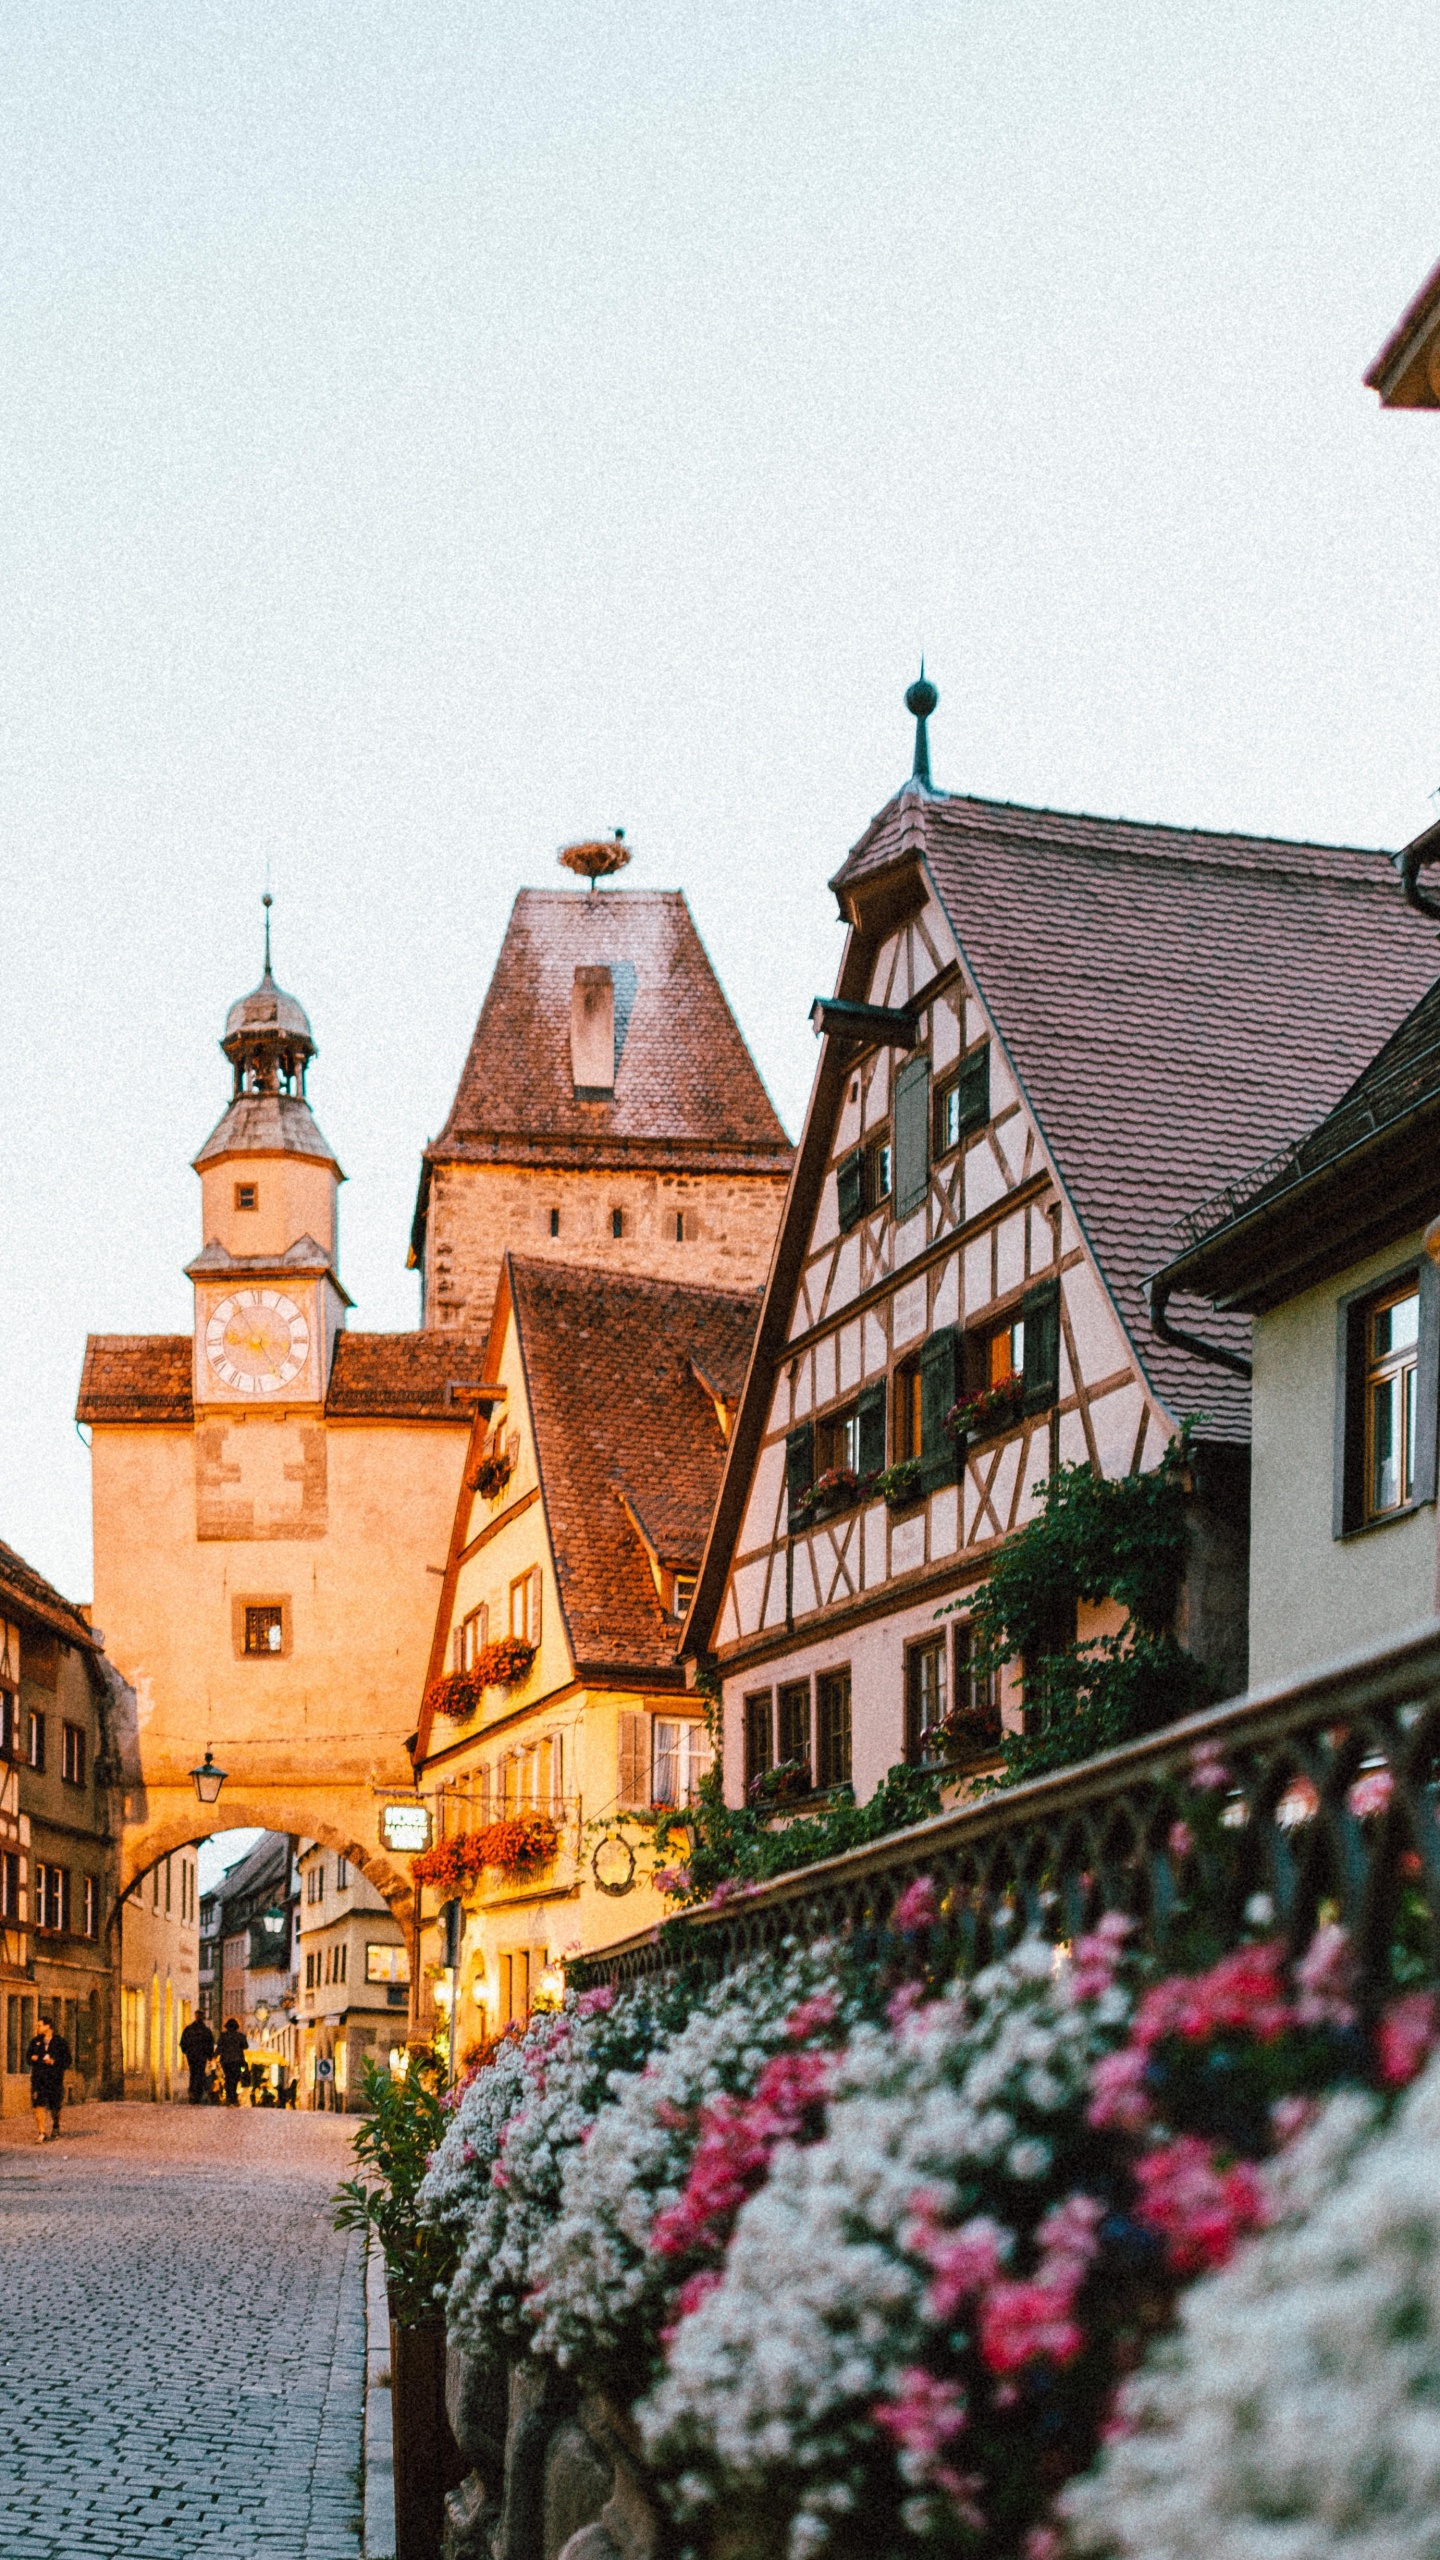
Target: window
<point>247,1195</point>
<point>386,1964</point>
<point>837,1441</point>
<point>9,1725</point>
<point>10,1885</point>
<point>35,1751</point>
<point>92,1907</point>
<point>1005,1352</point>
<point>617,1222</point>
<point>167,1884</point>
<point>799,1463</point>
<point>683,1587</point>
<point>682,1753</point>
<point>264,1629</point>
<point>315,1882</point>
<point>525,1606</point>
<point>850,1188</point>
<point>19,2028</point>
<point>977,1693</point>
<point>341,1954</point>
<point>342,1875</point>
<point>925,1700</point>
<point>310,1973</point>
<point>759,1734</point>
<point>1386,1399</point>
<point>52,1896</point>
<point>832,1725</point>
<point>792,1716</point>
<point>963,1102</point>
<point>878,1163</point>
<point>554,1222</point>
<point>471,1637</point>
<point>520,1971</point>
<point>679,1226</point>
<point>1392,1352</point>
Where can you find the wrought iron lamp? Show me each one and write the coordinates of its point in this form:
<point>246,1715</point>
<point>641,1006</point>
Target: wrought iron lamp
<point>208,1779</point>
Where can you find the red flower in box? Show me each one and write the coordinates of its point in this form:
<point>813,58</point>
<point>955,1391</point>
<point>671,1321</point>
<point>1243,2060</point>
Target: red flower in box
<point>518,1845</point>
<point>991,1409</point>
<point>501,1664</point>
<point>457,1695</point>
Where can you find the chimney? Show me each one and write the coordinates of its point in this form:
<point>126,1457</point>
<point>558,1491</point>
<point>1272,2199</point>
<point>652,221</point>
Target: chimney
<point>592,1033</point>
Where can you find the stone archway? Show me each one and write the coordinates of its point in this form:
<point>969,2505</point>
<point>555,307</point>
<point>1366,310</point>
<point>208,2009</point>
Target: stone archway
<point>159,1820</point>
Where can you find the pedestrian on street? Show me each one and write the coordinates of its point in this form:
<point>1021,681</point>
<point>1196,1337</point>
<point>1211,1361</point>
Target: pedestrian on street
<point>49,2060</point>
<point>231,2050</point>
<point>198,2046</point>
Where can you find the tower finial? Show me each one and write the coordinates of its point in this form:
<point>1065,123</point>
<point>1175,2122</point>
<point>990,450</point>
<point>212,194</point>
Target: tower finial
<point>267,902</point>
<point>921,699</point>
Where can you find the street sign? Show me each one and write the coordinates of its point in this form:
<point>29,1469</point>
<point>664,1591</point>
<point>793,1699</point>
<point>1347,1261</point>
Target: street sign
<point>405,1827</point>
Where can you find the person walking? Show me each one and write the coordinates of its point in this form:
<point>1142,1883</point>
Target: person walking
<point>49,2060</point>
<point>198,2046</point>
<point>231,2050</point>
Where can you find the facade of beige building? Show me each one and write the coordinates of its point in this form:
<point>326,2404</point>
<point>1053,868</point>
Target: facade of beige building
<point>159,1976</point>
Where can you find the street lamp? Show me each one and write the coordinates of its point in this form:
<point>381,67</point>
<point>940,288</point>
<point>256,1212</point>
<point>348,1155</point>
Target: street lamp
<point>208,1779</point>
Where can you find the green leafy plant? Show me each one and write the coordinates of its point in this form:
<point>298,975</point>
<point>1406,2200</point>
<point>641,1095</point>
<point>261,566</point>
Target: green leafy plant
<point>1093,1539</point>
<point>728,1846</point>
<point>406,2121</point>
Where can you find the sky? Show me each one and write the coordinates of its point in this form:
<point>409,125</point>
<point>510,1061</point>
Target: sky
<point>432,432</point>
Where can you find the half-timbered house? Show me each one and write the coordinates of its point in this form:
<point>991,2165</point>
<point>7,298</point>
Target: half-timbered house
<point>1051,1034</point>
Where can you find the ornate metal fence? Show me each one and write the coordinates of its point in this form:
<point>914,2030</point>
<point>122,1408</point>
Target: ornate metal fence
<point>1310,1800</point>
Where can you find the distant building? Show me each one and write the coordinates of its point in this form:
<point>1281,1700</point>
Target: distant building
<point>248,1943</point>
<point>609,1113</point>
<point>58,1860</point>
<point>353,1993</point>
<point>159,1976</point>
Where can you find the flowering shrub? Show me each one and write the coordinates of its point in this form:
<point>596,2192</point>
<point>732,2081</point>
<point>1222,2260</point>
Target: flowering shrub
<point>646,2206</point>
<point>1294,2412</point>
<point>479,2108</point>
<point>458,1695</point>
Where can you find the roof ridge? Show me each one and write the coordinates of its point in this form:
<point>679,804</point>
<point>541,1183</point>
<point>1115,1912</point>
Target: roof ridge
<point>541,1266</point>
<point>941,801</point>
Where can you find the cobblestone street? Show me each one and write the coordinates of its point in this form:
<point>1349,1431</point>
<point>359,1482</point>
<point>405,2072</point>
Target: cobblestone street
<point>184,2338</point>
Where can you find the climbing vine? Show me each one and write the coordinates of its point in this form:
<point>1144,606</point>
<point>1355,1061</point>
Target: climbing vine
<point>1093,1539</point>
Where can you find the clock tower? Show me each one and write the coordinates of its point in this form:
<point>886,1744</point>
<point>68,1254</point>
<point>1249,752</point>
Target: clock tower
<point>268,1299</point>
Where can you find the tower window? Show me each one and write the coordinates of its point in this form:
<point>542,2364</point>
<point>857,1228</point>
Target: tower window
<point>617,1222</point>
<point>264,1630</point>
<point>247,1195</point>
<point>554,1222</point>
<point>679,1226</point>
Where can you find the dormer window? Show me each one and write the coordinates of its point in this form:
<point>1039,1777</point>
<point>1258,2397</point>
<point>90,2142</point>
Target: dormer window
<point>592,1034</point>
<point>247,1195</point>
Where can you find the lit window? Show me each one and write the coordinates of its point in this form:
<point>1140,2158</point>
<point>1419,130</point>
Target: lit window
<point>1392,1351</point>
<point>264,1630</point>
<point>908,1426</point>
<point>684,1592</point>
<point>1007,1352</point>
<point>92,1906</point>
<point>837,1441</point>
<point>35,1752</point>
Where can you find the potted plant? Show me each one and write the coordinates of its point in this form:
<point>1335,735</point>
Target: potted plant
<point>406,2121</point>
<point>899,1485</point>
<point>520,1844</point>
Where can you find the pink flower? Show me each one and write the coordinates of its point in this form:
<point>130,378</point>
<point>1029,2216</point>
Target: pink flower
<point>926,2413</point>
<point>962,2262</point>
<point>729,1889</point>
<point>671,1880</point>
<point>1208,1772</point>
<point>1371,1793</point>
<point>1289,2116</point>
<point>1117,2091</point>
<point>1020,2323</point>
<point>1095,1957</point>
<point>1042,2542</point>
<point>1182,1839</point>
<point>1406,2035</point>
<point>593,2004</point>
<point>689,2298</point>
<point>918,1906</point>
<point>1245,1989</point>
<point>1300,1803</point>
<point>1070,2239</point>
<point>810,2016</point>
<point>732,2154</point>
<point>1199,2209</point>
<point>1325,1974</point>
<point>903,2003</point>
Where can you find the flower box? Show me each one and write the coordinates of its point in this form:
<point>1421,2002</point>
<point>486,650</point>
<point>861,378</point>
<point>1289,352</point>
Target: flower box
<point>993,1409</point>
<point>491,1474</point>
<point>900,1485</point>
<point>518,1845</point>
<point>458,1695</point>
<point>789,1782</point>
<point>839,1489</point>
<point>503,1664</point>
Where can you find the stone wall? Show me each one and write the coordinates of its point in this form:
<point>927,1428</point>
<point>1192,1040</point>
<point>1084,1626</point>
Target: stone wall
<point>478,1212</point>
<point>557,2474</point>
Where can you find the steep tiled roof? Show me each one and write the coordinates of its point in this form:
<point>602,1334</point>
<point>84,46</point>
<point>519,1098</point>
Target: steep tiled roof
<point>28,1594</point>
<point>382,1377</point>
<point>1176,1004</point>
<point>687,1091</point>
<point>622,1426</point>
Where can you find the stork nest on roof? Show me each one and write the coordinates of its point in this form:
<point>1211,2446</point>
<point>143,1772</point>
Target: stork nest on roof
<point>596,858</point>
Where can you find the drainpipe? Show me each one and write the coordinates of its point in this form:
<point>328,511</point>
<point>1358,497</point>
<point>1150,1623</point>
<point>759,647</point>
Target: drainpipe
<point>1160,1294</point>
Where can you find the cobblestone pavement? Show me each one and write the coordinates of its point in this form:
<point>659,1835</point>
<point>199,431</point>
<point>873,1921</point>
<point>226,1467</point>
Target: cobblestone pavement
<point>182,2349</point>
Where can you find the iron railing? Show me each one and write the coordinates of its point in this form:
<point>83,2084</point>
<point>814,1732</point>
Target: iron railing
<point>1326,1789</point>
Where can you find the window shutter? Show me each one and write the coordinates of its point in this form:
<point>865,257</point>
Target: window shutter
<point>972,1091</point>
<point>939,1390</point>
<point>1427,1381</point>
<point>634,1787</point>
<point>799,1462</point>
<point>850,1188</point>
<point>1040,1312</point>
<point>872,1429</point>
<point>912,1136</point>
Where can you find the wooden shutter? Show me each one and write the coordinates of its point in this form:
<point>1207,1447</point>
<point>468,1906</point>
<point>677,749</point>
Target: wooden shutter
<point>850,1188</point>
<point>939,1390</point>
<point>871,1410</point>
<point>634,1787</point>
<point>1040,1312</point>
<point>799,1462</point>
<point>912,1136</point>
<point>972,1091</point>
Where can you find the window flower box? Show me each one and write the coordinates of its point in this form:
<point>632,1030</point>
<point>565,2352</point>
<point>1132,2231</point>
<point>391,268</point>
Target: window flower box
<point>900,1485</point>
<point>505,1663</point>
<point>839,1489</point>
<point>992,1410</point>
<point>517,1846</point>
<point>458,1695</point>
<point>789,1782</point>
<point>491,1474</point>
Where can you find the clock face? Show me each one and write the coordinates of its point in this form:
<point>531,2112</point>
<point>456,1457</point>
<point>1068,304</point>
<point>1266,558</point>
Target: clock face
<point>257,1341</point>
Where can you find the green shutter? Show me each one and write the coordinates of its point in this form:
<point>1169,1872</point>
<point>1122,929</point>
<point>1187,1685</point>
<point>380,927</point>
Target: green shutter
<point>850,1188</point>
<point>1040,1311</point>
<point>872,1428</point>
<point>799,1462</point>
<point>912,1136</point>
<point>939,1390</point>
<point>972,1091</point>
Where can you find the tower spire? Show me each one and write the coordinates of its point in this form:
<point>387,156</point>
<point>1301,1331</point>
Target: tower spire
<point>921,700</point>
<point>267,902</point>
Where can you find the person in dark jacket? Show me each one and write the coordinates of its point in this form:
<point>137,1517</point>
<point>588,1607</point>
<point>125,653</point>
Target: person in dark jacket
<point>198,2046</point>
<point>231,2050</point>
<point>49,2060</point>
